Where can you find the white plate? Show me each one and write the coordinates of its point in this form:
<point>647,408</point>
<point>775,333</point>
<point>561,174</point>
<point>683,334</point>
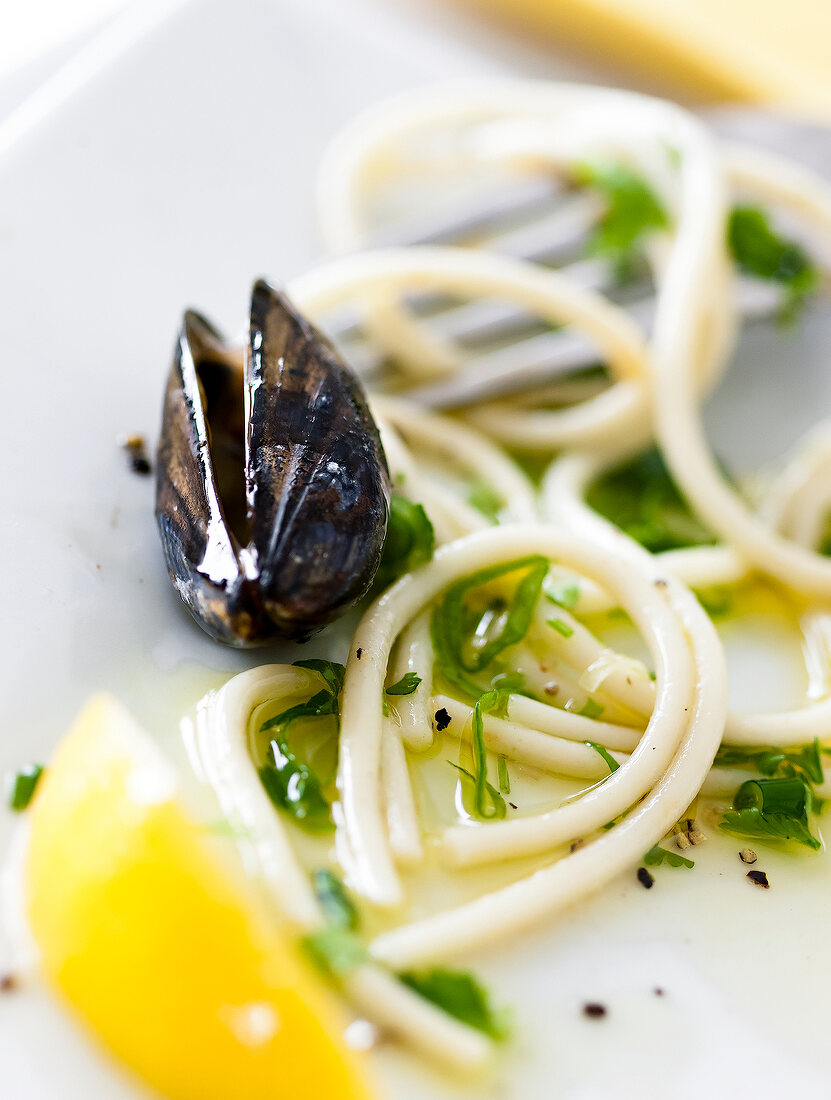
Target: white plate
<point>170,176</point>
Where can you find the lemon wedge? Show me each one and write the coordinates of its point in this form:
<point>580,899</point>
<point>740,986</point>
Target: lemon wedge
<point>172,960</point>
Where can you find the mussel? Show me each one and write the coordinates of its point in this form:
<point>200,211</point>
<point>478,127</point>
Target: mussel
<point>272,489</point>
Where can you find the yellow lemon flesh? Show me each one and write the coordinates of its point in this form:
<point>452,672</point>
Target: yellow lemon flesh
<point>171,959</point>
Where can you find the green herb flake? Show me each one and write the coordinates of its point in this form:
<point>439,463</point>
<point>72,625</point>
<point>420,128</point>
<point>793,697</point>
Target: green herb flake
<point>410,541</point>
<point>760,251</point>
<point>291,784</point>
<point>716,601</point>
<point>484,498</point>
<point>487,802</point>
<point>337,905</point>
<point>497,807</point>
<point>641,499</point>
<point>451,629</point>
<point>564,595</point>
<point>633,212</point>
<point>751,822</point>
<point>318,706</point>
<point>294,788</point>
<point>336,952</point>
<point>804,762</point>
<point>562,628</point>
<point>508,684</point>
<point>503,776</point>
<point>406,685</point>
<point>225,829</point>
<point>773,809</point>
<point>23,785</point>
<point>460,995</point>
<point>591,709</point>
<point>658,855</point>
<point>450,626</point>
<point>333,673</point>
<point>603,752</point>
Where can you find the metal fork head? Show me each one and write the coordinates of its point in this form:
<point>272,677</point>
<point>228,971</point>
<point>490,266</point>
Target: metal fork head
<point>540,220</point>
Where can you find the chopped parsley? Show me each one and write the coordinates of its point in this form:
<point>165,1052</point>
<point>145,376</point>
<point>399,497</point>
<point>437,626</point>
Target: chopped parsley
<point>337,905</point>
<point>485,499</point>
<point>23,786</point>
<point>658,855</point>
<point>486,803</point>
<point>773,809</point>
<point>451,622</point>
<point>604,753</point>
<point>294,788</point>
<point>804,762</point>
<point>503,777</point>
<point>321,704</point>
<point>824,546</point>
<point>406,685</point>
<point>223,828</point>
<point>291,784</point>
<point>335,951</point>
<point>760,251</point>
<point>332,672</point>
<point>633,212</point>
<point>591,709</point>
<point>507,684</point>
<point>561,627</point>
<point>641,498</point>
<point>460,995</point>
<point>564,595</point>
<point>717,601</point>
<point>410,541</point>
<point>497,807</point>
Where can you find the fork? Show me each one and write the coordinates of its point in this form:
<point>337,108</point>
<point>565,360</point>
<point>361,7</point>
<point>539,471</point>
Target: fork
<point>538,220</point>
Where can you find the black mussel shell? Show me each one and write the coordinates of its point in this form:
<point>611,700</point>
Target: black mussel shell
<point>272,490</point>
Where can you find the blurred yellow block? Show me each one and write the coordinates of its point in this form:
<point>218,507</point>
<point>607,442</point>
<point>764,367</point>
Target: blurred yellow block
<point>170,957</point>
<point>773,51</point>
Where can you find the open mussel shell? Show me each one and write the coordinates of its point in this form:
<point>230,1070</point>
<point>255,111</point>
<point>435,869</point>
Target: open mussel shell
<point>272,491</point>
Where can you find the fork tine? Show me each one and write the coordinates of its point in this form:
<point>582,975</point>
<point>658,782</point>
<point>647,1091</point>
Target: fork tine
<point>536,220</point>
<point>554,238</point>
<point>537,358</point>
<point>482,322</point>
<point>551,355</point>
<point>492,202</point>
